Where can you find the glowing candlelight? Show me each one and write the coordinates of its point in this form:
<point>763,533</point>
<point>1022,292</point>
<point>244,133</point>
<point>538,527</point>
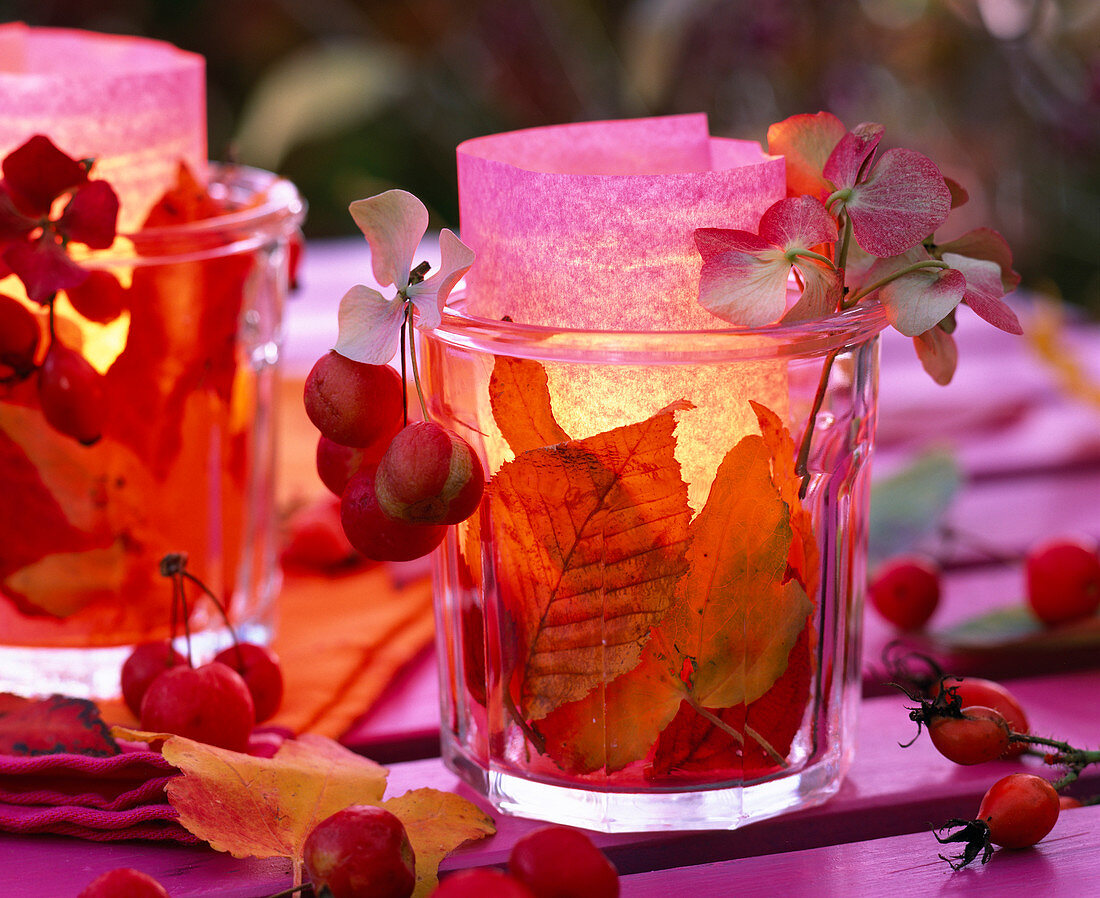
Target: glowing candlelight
<point>591,226</point>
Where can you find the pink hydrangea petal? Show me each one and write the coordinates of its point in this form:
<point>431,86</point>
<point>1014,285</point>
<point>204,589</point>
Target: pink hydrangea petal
<point>820,294</point>
<point>984,290</point>
<point>985,243</point>
<point>745,289</point>
<point>14,225</point>
<point>393,223</point>
<point>843,165</point>
<point>430,295</point>
<point>713,242</point>
<point>917,301</point>
<point>44,267</point>
<point>806,141</point>
<point>91,217</point>
<point>369,326</point>
<point>903,201</point>
<point>938,354</point>
<point>798,222</point>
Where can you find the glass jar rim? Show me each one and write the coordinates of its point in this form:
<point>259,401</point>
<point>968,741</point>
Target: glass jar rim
<point>779,340</point>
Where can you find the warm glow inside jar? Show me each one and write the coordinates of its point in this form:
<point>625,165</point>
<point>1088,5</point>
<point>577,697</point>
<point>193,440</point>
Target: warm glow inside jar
<point>653,621</point>
<point>185,461</point>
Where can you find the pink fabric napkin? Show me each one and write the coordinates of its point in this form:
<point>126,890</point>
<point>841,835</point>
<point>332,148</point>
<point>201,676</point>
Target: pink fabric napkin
<point>103,799</point>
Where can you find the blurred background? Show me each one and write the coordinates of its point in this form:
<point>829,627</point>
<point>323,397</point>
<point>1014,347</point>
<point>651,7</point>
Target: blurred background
<point>350,97</point>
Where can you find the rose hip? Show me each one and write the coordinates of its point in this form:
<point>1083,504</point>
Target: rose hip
<point>352,403</point>
<point>209,704</point>
<point>360,852</point>
<point>905,591</point>
<point>429,475</point>
<point>1063,580</point>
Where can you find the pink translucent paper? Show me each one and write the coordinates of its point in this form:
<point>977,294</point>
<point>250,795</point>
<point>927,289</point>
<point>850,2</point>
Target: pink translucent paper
<point>591,225</point>
<point>138,106</point>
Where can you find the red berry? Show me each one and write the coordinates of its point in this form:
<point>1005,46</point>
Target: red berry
<point>146,662</point>
<point>1063,581</point>
<point>481,882</point>
<point>123,882</point>
<point>209,704</point>
<point>100,298</point>
<point>19,337</point>
<point>337,464</point>
<point>980,735</point>
<point>559,862</point>
<point>352,403</point>
<point>315,539</point>
<point>71,394</point>
<point>1020,809</point>
<point>429,475</point>
<point>360,852</point>
<point>375,534</point>
<point>905,591</point>
<point>260,670</point>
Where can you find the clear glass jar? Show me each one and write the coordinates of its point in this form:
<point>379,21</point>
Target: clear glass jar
<point>653,622</point>
<point>185,462</point>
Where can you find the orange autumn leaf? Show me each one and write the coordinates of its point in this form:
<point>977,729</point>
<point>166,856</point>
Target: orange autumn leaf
<point>734,617</point>
<point>520,401</point>
<point>437,823</point>
<point>590,545</point>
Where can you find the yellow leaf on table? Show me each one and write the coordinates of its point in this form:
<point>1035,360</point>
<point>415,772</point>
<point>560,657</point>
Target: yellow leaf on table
<point>436,823</point>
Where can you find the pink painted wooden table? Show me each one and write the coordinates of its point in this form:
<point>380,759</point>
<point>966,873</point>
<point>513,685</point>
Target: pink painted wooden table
<point>873,837</point>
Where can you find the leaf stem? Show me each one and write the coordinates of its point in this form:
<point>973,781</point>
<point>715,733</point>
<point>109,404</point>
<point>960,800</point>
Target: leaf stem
<point>801,465</point>
<point>882,282</point>
<point>737,737</point>
<point>286,893</point>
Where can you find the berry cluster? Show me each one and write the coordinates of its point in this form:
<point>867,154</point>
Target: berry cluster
<point>399,484</point>
<point>34,247</point>
<point>971,720</point>
<point>1062,580</point>
<point>217,703</point>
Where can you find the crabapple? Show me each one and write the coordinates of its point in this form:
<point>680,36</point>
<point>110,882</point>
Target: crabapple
<point>146,662</point>
<point>378,536</point>
<point>123,882</point>
<point>337,464</point>
<point>19,337</point>
<point>1063,580</point>
<point>71,393</point>
<point>353,403</point>
<point>315,539</point>
<point>905,591</point>
<point>209,704</point>
<point>481,882</point>
<point>560,862</point>
<point>360,852</point>
<point>260,670</point>
<point>429,475</point>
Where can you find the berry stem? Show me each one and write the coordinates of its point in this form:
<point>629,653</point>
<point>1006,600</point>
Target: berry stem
<point>293,890</point>
<point>404,376</point>
<point>415,371</point>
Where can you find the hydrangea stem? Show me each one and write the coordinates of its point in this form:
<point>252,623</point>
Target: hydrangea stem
<point>802,461</point>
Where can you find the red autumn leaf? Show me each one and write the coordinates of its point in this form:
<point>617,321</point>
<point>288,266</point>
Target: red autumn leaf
<point>38,172</point>
<point>520,401</point>
<point>590,545</point>
<point>55,725</point>
<point>188,200</point>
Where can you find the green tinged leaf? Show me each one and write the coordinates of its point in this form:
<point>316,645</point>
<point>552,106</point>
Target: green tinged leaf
<point>910,504</point>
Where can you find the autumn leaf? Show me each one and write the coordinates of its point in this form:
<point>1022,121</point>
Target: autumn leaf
<point>436,823</point>
<point>266,807</point>
<point>55,725</point>
<point>520,401</point>
<point>734,616</point>
<point>590,543</point>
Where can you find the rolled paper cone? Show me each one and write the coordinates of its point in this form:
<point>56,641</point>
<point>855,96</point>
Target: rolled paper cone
<point>591,227</point>
<point>137,106</point>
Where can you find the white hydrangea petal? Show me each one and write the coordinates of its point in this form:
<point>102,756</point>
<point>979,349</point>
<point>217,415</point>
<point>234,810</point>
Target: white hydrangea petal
<point>393,223</point>
<point>369,326</point>
<point>430,295</point>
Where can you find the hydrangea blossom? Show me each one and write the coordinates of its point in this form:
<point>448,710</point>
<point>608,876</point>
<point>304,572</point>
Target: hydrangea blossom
<point>370,325</point>
<point>843,195</point>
